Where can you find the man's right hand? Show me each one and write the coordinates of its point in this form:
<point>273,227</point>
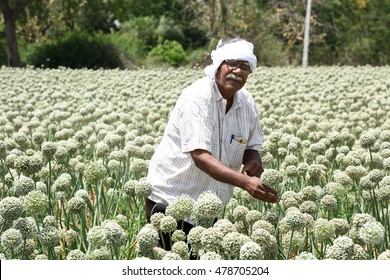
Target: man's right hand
<point>255,187</point>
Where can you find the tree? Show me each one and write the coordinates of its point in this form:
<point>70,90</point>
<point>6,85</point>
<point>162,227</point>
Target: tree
<point>10,14</point>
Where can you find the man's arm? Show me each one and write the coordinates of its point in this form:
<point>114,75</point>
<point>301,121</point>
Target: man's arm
<point>252,163</point>
<point>221,172</point>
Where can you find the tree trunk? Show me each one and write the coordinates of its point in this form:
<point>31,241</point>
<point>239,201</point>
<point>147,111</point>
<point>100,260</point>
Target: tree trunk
<point>11,43</point>
<point>223,18</point>
<point>213,32</point>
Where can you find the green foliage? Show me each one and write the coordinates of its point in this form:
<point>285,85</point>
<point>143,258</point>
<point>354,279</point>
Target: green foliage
<point>169,30</point>
<point>199,57</point>
<point>170,52</point>
<point>76,50</point>
<point>143,29</point>
<point>341,32</point>
<point>132,50</point>
<point>270,52</point>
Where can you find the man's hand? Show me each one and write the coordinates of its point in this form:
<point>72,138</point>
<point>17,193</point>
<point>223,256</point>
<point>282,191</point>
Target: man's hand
<point>252,163</point>
<point>250,183</point>
<point>255,187</point>
<point>253,168</point>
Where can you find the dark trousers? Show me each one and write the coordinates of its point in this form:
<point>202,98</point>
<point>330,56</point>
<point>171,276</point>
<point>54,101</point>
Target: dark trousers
<point>153,207</point>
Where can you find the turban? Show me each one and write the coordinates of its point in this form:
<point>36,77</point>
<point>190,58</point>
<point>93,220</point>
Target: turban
<point>240,50</point>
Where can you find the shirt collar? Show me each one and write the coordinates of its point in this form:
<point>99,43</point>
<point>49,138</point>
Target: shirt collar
<point>218,96</point>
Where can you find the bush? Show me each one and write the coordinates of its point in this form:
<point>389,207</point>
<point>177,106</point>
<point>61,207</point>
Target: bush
<point>76,50</point>
<point>168,30</point>
<point>132,50</point>
<point>270,52</point>
<point>142,29</point>
<point>170,52</point>
<point>199,57</point>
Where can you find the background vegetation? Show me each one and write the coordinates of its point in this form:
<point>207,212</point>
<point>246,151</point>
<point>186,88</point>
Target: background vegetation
<point>132,33</point>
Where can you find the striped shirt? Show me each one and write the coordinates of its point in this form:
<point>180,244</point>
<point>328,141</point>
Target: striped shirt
<point>198,121</point>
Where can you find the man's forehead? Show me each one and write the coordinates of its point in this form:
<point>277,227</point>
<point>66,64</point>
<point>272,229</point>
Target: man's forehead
<point>241,61</point>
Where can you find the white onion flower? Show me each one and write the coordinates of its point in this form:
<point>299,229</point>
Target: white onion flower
<point>158,253</point>
<point>102,253</point>
<point>94,171</point>
<point>178,235</point>
<point>11,239</point>
<point>251,251</point>
<point>96,237</point>
<point>41,257</point>
<point>62,183</point>
<point>306,256</point>
<point>143,189</point>
<point>210,256</point>
<point>211,240</point>
<point>76,205</point>
<point>385,255</point>
<point>329,202</point>
<point>372,233</point>
<point>359,219</point>
<point>23,185</point>
<point>130,186</point>
<point>206,209</point>
<point>263,224</point>
<point>139,166</point>
<point>271,177</point>
<point>367,140</point>
<point>155,219</point>
<point>171,256</point>
<point>225,226</point>
<point>342,249</point>
<point>194,238</point>
<point>147,239</point>
<point>11,208</point>
<point>71,236</point>
<point>323,230</point>
<point>76,254</point>
<point>27,227</point>
<point>49,149</point>
<point>83,194</point>
<point>181,248</point>
<point>376,175</point>
<point>102,149</point>
<point>309,207</point>
<point>168,224</point>
<point>252,216</point>
<point>50,236</point>
<point>359,253</point>
<point>240,212</point>
<point>232,243</point>
<point>114,234</point>
<point>49,220</point>
<point>295,220</point>
<point>341,226</point>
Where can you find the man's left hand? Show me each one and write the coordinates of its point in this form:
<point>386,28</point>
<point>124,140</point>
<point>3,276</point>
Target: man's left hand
<point>252,168</point>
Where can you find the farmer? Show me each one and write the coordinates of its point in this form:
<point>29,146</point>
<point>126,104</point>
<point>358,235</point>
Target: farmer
<point>212,131</point>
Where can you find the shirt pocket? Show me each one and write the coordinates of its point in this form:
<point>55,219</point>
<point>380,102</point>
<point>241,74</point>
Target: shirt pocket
<point>235,152</point>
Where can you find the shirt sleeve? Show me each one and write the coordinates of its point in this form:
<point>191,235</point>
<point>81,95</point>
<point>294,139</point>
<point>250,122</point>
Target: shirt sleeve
<point>195,124</point>
<point>256,138</point>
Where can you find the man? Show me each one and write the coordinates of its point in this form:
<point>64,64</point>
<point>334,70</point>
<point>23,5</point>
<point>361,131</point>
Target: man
<point>213,130</point>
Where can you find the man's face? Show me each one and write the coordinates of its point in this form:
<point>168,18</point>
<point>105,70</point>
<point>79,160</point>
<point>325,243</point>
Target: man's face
<point>231,76</point>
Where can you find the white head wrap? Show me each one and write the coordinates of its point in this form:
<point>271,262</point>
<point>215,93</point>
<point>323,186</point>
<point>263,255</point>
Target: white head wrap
<point>240,50</point>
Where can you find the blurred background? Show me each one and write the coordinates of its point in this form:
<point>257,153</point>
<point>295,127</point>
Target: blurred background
<point>132,33</point>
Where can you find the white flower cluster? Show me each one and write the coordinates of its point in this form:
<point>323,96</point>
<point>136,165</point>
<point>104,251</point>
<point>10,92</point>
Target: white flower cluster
<point>74,156</point>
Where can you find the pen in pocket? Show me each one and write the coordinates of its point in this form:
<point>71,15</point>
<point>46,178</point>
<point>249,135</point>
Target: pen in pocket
<point>231,138</point>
